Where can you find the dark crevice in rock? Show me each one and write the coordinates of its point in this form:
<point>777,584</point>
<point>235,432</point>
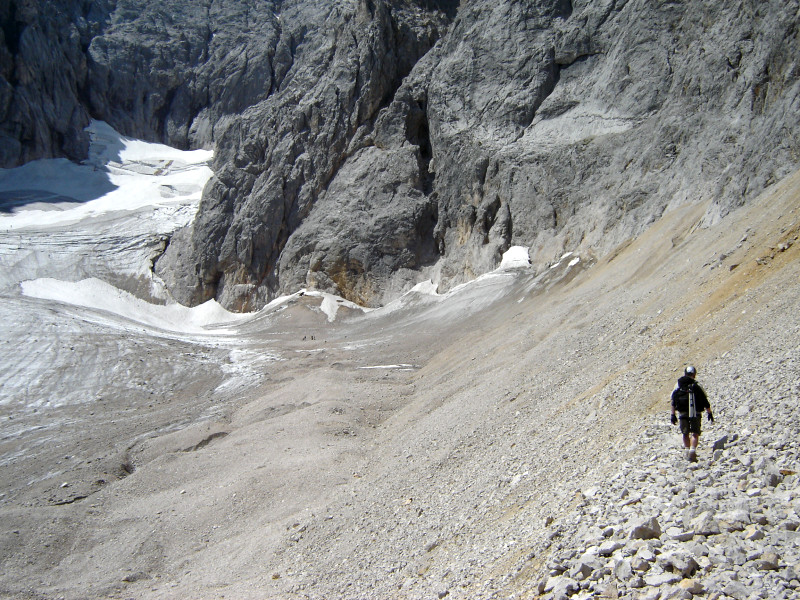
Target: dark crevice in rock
<point>566,63</point>
<point>486,217</point>
<point>563,9</point>
<point>162,113</point>
<point>12,29</point>
<point>447,7</point>
<point>418,133</point>
<point>428,252</point>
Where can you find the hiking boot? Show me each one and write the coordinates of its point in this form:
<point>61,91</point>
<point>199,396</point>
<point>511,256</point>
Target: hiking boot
<point>692,455</point>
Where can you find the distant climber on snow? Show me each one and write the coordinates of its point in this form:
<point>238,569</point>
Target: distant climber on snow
<point>689,400</point>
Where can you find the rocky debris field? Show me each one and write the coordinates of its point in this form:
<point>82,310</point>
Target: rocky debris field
<point>657,527</point>
<point>724,527</point>
<point>540,433</point>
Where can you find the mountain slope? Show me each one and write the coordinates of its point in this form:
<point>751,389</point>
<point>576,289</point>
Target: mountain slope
<point>434,446</point>
<point>548,395</point>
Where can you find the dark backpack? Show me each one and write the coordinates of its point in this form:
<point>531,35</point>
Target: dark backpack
<point>680,398</point>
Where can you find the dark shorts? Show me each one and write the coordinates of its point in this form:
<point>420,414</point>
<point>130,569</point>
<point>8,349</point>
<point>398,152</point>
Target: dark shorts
<point>690,426</point>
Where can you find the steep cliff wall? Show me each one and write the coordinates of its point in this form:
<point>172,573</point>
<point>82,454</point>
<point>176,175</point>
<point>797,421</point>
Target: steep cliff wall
<point>43,74</point>
<point>553,125</point>
<point>343,64</point>
<point>604,115</point>
<point>362,145</point>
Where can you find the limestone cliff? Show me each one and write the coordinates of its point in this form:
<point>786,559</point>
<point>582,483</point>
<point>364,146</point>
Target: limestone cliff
<point>363,145</point>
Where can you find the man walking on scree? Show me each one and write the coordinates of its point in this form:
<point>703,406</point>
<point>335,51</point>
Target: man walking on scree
<point>689,401</point>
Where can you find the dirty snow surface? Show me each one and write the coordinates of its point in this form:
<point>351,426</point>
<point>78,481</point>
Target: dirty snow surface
<point>433,447</point>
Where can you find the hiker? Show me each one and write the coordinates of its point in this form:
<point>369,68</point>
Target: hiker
<point>689,401</point>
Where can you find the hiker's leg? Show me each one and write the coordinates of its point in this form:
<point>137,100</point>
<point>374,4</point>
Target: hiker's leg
<point>686,431</point>
<point>695,437</point>
<point>695,431</point>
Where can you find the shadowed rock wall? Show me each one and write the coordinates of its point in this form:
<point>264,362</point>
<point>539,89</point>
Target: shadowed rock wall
<point>43,76</point>
<point>364,145</point>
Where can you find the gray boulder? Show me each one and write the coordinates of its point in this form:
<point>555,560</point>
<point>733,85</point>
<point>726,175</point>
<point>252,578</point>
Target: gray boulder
<point>645,529</point>
<point>678,562</point>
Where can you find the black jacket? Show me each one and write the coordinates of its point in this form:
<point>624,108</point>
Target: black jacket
<point>680,396</point>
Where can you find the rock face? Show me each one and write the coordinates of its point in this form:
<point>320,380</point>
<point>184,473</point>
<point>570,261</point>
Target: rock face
<point>303,161</point>
<point>361,146</point>
<point>43,72</point>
